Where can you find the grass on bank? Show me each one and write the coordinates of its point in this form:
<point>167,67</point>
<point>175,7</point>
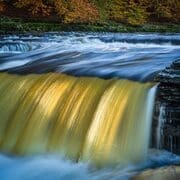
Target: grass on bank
<point>16,25</point>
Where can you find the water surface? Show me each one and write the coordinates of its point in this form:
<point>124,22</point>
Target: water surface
<point>106,55</point>
<point>134,56</point>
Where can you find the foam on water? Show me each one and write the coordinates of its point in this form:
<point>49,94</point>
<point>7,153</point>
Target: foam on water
<point>48,167</point>
<point>132,56</point>
<point>107,55</point>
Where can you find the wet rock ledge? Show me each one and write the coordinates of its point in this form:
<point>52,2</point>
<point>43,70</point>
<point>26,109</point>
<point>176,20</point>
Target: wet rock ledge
<point>166,122</point>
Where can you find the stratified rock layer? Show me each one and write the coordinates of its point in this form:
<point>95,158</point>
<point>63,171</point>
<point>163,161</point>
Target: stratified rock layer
<point>166,123</point>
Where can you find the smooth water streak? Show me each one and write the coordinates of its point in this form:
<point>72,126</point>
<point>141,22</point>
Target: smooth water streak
<point>133,56</point>
<point>85,119</point>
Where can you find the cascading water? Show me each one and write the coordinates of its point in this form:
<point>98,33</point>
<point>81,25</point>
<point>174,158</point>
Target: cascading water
<point>161,120</point>
<point>83,118</point>
<point>93,116</point>
<point>9,48</point>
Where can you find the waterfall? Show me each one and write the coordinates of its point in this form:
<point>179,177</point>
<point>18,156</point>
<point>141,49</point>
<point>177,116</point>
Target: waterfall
<point>105,122</point>
<point>159,131</point>
<point>18,47</point>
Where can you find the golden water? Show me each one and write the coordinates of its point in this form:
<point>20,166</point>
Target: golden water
<point>88,119</point>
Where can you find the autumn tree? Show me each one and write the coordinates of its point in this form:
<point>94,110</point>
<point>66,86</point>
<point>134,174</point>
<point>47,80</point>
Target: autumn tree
<point>35,7</point>
<point>134,12</point>
<point>137,12</point>
<point>2,5</point>
<point>127,11</point>
<point>76,11</point>
<point>168,10</point>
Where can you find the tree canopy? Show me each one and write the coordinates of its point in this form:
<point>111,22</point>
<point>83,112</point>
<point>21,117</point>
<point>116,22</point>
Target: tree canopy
<point>134,12</point>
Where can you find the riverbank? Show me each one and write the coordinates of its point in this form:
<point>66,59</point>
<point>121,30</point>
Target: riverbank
<point>17,25</point>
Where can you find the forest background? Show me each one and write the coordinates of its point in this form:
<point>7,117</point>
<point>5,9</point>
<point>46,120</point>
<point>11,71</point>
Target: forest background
<point>131,13</point>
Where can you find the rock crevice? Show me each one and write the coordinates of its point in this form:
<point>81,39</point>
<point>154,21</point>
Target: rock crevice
<point>166,121</point>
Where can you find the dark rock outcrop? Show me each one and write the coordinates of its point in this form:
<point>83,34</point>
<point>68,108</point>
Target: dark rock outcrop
<point>166,122</point>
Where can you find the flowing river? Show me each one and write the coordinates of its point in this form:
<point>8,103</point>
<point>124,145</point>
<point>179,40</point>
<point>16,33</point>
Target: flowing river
<point>80,106</point>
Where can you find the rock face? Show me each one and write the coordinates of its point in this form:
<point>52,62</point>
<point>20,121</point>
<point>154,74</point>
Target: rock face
<point>166,122</point>
<point>165,173</point>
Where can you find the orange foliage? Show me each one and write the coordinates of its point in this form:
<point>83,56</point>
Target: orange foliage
<point>134,12</point>
<point>76,11</point>
<point>35,7</point>
<point>2,6</point>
